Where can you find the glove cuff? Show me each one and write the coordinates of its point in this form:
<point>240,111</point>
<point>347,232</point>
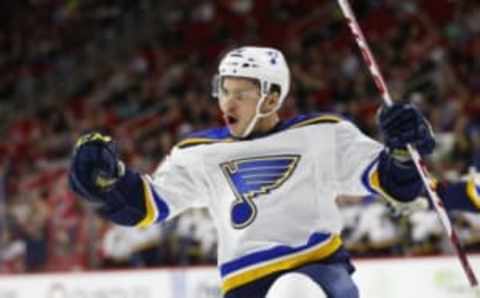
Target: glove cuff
<point>401,155</point>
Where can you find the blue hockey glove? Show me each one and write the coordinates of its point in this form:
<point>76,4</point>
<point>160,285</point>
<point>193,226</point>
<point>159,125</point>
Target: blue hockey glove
<point>95,167</point>
<point>403,124</point>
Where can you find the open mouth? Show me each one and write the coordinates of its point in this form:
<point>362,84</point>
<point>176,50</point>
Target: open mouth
<point>230,120</point>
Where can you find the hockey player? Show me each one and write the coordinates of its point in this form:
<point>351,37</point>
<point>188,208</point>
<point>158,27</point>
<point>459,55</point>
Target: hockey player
<point>463,194</point>
<point>269,184</point>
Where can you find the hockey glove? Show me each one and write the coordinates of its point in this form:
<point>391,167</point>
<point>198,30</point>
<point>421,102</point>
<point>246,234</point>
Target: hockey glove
<point>95,167</point>
<point>403,124</point>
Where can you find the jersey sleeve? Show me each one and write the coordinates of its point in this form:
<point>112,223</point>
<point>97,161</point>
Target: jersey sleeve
<point>178,183</point>
<point>356,158</point>
<point>363,167</point>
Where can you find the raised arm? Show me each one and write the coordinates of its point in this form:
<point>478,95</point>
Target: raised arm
<point>364,166</point>
<point>117,193</point>
<point>402,124</point>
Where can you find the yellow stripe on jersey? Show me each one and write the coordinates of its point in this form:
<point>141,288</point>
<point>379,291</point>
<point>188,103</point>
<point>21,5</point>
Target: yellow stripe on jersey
<point>150,206</point>
<point>319,120</point>
<point>374,180</point>
<point>194,141</point>
<point>200,141</point>
<point>315,253</point>
<point>472,193</point>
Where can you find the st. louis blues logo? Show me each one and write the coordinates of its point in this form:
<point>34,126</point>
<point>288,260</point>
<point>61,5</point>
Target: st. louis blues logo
<point>252,177</point>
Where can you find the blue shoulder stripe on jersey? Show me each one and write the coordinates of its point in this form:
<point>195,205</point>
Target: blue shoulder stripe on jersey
<point>311,119</point>
<point>207,136</point>
<point>218,134</point>
<point>301,121</point>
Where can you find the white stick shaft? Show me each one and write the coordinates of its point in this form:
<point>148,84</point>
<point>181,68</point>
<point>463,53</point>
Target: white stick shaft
<point>382,86</point>
<point>419,164</point>
<point>375,70</point>
<point>366,52</point>
<point>428,182</point>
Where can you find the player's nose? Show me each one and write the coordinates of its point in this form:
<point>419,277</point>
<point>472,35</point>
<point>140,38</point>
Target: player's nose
<point>229,104</point>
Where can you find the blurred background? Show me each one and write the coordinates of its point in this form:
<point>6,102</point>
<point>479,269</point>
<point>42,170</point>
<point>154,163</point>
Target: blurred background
<point>141,70</point>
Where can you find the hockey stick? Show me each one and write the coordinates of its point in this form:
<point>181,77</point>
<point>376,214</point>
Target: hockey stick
<point>419,163</point>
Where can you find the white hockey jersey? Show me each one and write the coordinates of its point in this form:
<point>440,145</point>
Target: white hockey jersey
<point>272,198</point>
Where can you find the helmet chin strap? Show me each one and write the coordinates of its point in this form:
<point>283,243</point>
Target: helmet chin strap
<point>258,115</point>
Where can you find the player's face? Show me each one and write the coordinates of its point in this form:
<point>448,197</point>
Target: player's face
<point>238,101</point>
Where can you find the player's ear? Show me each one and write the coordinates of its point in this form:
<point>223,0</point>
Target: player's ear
<point>270,102</point>
<point>275,97</point>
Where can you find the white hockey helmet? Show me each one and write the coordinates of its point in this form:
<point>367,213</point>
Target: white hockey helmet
<point>267,65</point>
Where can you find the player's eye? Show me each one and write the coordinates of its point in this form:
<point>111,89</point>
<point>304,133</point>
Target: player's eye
<point>245,94</point>
<point>238,94</point>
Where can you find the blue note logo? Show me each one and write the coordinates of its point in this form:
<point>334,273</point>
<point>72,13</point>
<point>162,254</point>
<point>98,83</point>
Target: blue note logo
<point>253,177</point>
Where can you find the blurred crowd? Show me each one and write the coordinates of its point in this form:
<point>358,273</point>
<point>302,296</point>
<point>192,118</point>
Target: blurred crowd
<point>141,71</point>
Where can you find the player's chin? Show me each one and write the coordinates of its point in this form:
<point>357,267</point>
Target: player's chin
<point>236,130</point>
